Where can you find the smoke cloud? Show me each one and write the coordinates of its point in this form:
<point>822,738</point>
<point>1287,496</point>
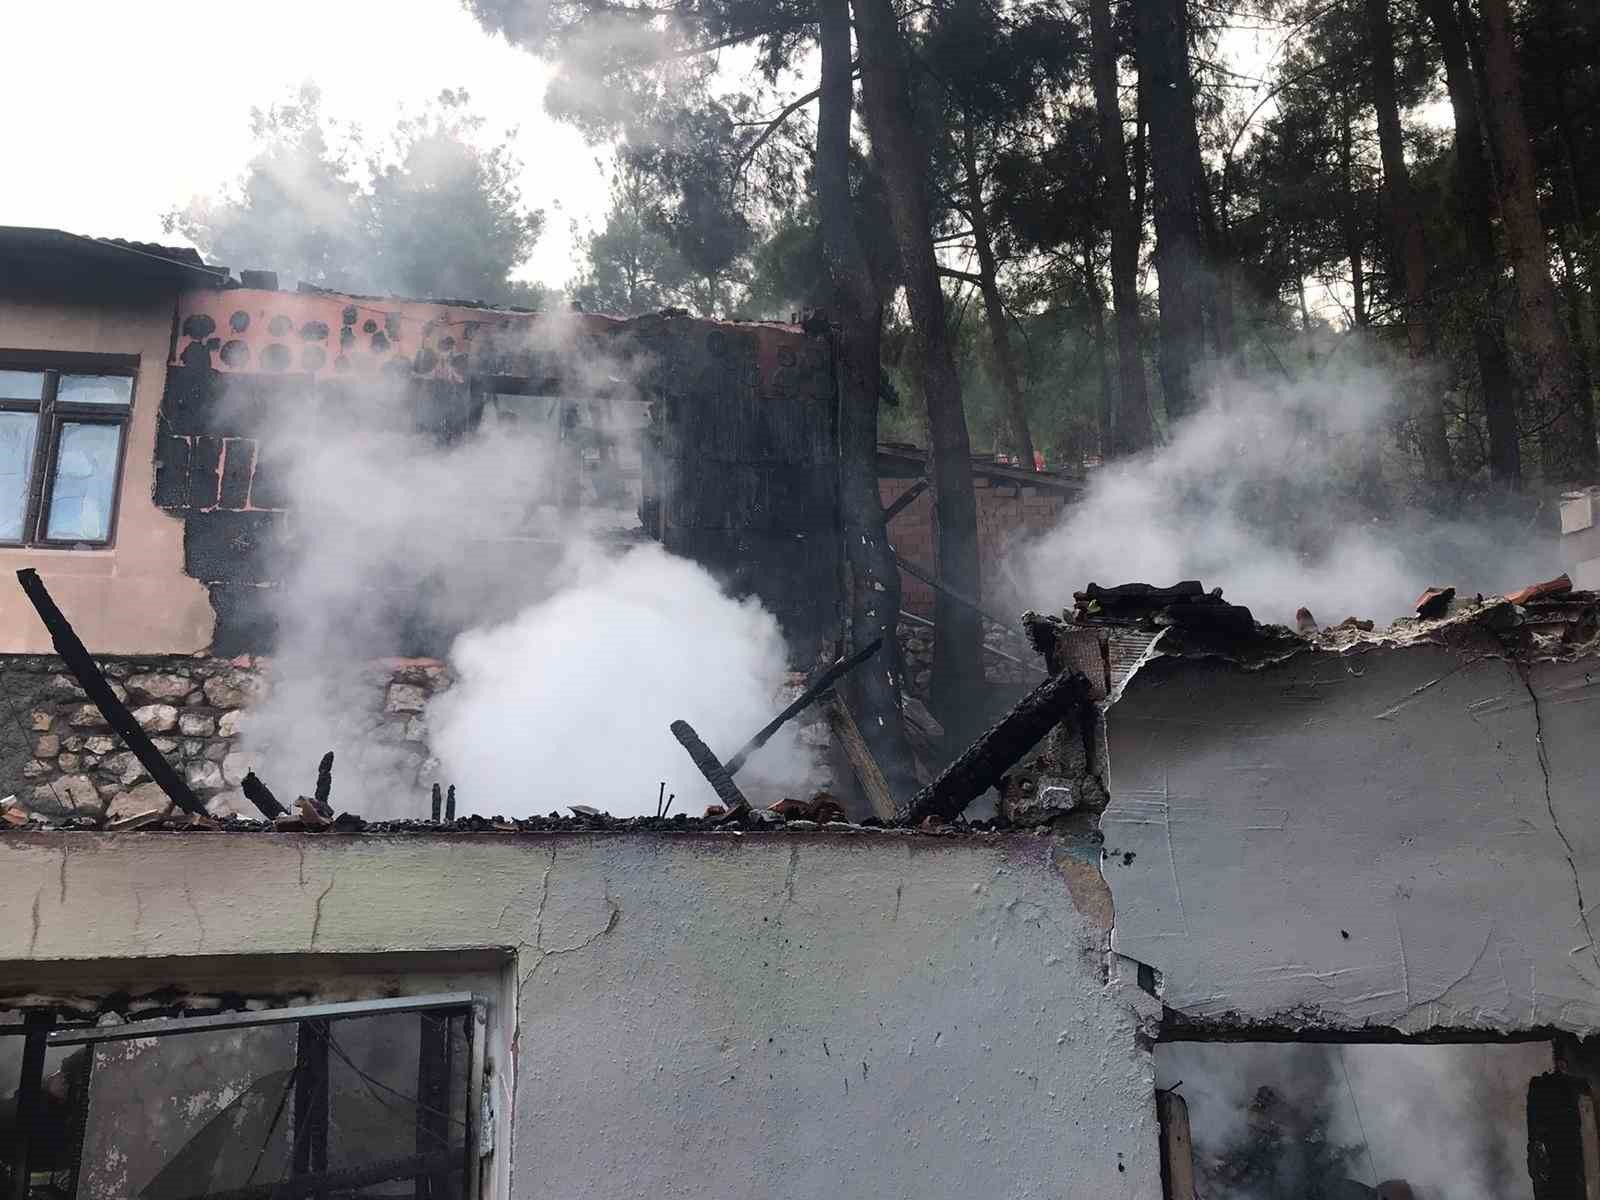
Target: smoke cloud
<point>1284,494</point>
<point>570,701</point>
<point>572,647</point>
<point>1450,1120</point>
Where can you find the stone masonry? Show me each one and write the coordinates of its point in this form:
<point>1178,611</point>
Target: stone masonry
<point>59,759</point>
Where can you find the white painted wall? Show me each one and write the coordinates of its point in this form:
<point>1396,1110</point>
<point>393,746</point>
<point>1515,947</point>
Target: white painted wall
<point>795,1015</point>
<point>1396,796</point>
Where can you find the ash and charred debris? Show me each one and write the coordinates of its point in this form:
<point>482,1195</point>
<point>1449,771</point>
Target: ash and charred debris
<point>1131,622</point>
<point>803,816</point>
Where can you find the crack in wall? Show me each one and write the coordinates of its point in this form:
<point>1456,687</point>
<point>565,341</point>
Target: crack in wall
<point>316,917</point>
<point>33,936</point>
<point>537,947</point>
<point>1550,806</point>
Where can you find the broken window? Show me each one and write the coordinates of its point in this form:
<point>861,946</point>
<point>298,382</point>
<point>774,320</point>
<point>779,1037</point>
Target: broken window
<point>369,1099</point>
<point>63,427</point>
<point>1323,1121</point>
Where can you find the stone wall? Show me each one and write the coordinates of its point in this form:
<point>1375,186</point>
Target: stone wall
<point>60,759</point>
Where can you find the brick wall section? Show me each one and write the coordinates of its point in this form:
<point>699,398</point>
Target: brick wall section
<point>1004,511</point>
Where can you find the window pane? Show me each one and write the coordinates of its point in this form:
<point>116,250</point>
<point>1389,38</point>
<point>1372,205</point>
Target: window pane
<point>378,1103</point>
<point>85,482</point>
<point>94,389</point>
<point>21,385</point>
<point>16,460</point>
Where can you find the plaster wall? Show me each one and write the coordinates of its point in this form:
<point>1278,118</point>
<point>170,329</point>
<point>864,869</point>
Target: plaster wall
<point>132,597</point>
<point>1401,838</point>
<point>799,1015</point>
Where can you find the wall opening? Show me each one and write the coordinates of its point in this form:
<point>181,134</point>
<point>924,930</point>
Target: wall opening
<point>359,1099</point>
<point>1355,1121</point>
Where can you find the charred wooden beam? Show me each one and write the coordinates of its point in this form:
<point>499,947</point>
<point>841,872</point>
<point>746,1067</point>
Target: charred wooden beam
<point>261,796</point>
<point>1563,1148</point>
<point>324,792</point>
<point>823,682</point>
<point>99,691</point>
<point>30,1096</point>
<point>711,767</point>
<point>988,758</point>
<point>311,1099</point>
<point>904,500</point>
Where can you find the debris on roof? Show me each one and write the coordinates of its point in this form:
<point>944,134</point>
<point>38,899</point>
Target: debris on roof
<point>1540,591</point>
<point>1435,602</point>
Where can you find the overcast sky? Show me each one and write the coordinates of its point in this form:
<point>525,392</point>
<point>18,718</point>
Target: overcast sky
<point>117,110</point>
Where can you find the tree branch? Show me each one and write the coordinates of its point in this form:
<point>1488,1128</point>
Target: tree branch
<point>788,111</point>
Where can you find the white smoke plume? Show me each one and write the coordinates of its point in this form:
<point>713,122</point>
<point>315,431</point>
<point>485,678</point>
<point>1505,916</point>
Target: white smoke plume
<point>570,701</point>
<point>581,646</point>
<point>1450,1120</point>
<point>1257,494</point>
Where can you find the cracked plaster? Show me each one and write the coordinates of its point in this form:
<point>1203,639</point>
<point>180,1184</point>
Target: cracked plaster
<point>806,1015</point>
<point>1392,837</point>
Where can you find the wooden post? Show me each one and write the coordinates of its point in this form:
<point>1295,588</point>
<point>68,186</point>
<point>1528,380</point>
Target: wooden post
<point>988,758</point>
<point>1177,1152</point>
<point>1563,1149</point>
<point>867,772</point>
<point>30,1092</point>
<point>115,712</point>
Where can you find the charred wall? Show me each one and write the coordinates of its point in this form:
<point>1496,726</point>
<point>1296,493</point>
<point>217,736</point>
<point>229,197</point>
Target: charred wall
<point>742,465</point>
<point>739,463</point>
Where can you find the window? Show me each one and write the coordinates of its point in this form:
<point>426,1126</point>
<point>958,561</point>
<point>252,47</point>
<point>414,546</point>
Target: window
<point>1351,1121</point>
<point>63,428</point>
<point>370,1099</point>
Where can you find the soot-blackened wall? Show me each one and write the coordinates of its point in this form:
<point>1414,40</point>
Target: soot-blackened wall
<point>742,465</point>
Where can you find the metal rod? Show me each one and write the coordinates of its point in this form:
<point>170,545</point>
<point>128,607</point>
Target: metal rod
<point>824,681</point>
<point>1010,658</point>
<point>916,572</point>
<point>163,1026</point>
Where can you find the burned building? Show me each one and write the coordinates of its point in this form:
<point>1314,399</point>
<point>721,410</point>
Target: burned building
<point>1229,832</point>
<point>1353,836</point>
<point>150,409</point>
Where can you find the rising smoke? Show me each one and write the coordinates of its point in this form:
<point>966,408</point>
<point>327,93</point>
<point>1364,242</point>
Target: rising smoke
<point>1449,1120</point>
<point>1286,493</point>
<point>573,648</point>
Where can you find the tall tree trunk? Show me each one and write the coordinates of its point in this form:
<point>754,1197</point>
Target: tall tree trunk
<point>993,306</point>
<point>1349,218</point>
<point>1129,428</point>
<point>874,578</point>
<point>1410,251</point>
<point>1555,381</point>
<point>1097,331</point>
<point>1164,80</point>
<point>1473,186</point>
<point>903,164</point>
